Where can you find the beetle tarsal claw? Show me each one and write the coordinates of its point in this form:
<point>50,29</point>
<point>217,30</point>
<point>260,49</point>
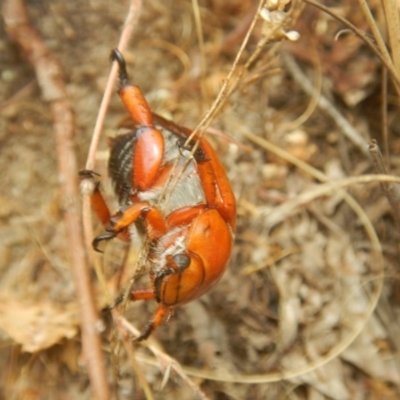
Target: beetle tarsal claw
<point>145,334</point>
<point>119,58</point>
<point>100,238</point>
<point>118,301</point>
<point>87,174</point>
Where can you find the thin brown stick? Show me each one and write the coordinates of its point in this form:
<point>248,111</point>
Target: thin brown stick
<point>50,79</point>
<point>87,188</point>
<point>130,21</point>
<point>390,189</point>
<point>87,185</point>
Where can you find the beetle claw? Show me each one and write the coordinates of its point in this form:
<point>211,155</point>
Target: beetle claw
<point>146,333</point>
<point>117,301</point>
<point>123,74</point>
<point>100,238</point>
<point>87,174</point>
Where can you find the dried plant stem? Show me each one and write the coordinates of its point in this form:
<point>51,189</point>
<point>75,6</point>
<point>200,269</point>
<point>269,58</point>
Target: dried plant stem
<point>49,76</point>
<point>123,332</point>
<point>222,95</point>
<point>384,110</point>
<point>391,8</point>
<point>200,39</point>
<point>164,360</point>
<point>86,184</point>
<point>348,130</point>
<point>130,21</point>
<point>390,189</point>
<point>87,189</point>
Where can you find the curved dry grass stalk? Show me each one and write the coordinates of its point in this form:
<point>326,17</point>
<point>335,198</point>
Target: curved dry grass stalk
<point>290,207</point>
<point>315,93</point>
<point>177,52</point>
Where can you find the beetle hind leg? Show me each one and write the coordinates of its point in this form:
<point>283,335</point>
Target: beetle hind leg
<point>155,321</point>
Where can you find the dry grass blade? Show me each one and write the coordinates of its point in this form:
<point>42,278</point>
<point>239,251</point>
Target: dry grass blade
<point>393,27</point>
<point>284,211</point>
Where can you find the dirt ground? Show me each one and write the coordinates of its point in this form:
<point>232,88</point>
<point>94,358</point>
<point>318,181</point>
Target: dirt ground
<point>309,306</point>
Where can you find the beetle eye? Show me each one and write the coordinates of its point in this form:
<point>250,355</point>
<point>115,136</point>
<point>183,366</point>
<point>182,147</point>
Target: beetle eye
<point>182,261</point>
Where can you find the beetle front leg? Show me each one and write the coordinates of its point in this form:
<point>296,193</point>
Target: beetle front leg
<point>154,221</point>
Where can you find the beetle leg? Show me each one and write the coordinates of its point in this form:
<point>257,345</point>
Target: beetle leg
<point>131,95</point>
<point>154,220</point>
<point>158,316</point>
<point>149,152</point>
<point>149,147</point>
<point>142,294</point>
<point>217,188</point>
<point>185,215</point>
<point>101,238</point>
<point>137,294</point>
<point>99,205</point>
<point>213,177</point>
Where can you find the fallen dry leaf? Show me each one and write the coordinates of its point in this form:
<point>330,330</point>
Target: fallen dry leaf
<point>37,326</point>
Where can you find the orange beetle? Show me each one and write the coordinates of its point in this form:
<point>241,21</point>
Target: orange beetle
<point>190,228</point>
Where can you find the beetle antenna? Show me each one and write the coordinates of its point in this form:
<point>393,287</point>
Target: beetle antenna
<point>117,56</point>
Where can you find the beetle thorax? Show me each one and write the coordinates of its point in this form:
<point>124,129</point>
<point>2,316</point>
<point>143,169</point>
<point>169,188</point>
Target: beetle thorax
<point>183,190</point>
